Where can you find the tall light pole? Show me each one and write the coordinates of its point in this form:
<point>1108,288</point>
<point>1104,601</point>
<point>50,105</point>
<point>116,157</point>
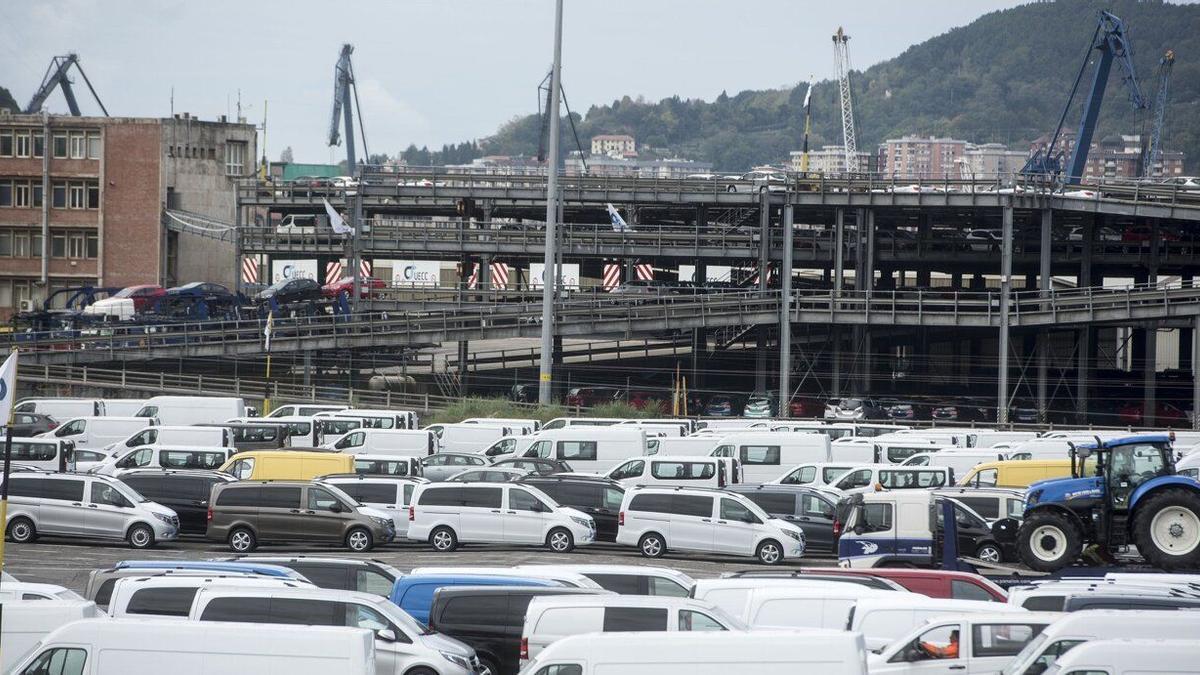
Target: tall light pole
<point>549,269</point>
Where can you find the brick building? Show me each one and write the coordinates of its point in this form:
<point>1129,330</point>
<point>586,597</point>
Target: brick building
<point>82,201</point>
<point>615,145</point>
<point>922,157</point>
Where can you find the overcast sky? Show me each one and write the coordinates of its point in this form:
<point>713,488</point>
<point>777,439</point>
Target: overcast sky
<point>440,71</point>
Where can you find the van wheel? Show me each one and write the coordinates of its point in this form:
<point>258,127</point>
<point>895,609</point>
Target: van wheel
<point>1049,541</point>
<point>140,536</point>
<point>652,545</point>
<point>560,540</point>
<point>242,540</point>
<point>769,552</point>
<point>22,531</point>
<point>443,539</point>
<point>989,553</point>
<point>359,540</point>
<point>488,666</point>
<point>420,671</point>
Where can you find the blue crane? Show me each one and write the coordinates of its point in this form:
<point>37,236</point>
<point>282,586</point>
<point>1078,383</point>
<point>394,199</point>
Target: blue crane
<point>1154,150</point>
<point>1112,42</point>
<point>56,76</point>
<point>343,89</point>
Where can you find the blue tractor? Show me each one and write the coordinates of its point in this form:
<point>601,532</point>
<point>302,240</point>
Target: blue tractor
<point>1121,491</point>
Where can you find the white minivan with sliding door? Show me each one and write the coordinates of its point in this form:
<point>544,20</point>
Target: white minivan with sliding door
<point>661,519</point>
<point>411,442</point>
<point>714,472</point>
<point>764,454</point>
<point>48,454</point>
<point>449,514</point>
<point>94,433</point>
<point>588,449</point>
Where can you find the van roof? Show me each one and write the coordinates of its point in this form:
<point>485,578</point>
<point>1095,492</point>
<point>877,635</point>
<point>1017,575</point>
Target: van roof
<point>1089,623</point>
<point>314,452</point>
<point>1114,654</point>
<point>892,600</point>
<point>209,565</point>
<point>607,600</point>
<point>1017,463</point>
<point>627,570</point>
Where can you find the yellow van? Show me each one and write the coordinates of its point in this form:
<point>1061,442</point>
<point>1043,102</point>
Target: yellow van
<point>1017,473</point>
<point>286,464</point>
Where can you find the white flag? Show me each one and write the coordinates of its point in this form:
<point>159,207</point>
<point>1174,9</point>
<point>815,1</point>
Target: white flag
<point>8,388</point>
<point>336,220</point>
<point>267,332</point>
<point>618,223</point>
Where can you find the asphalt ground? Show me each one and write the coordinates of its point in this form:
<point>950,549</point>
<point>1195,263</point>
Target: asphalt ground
<point>68,562</point>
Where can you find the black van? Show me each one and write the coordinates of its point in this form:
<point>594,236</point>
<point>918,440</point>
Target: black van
<point>1075,603</point>
<point>811,508</point>
<point>184,491</point>
<point>490,619</point>
<point>598,497</point>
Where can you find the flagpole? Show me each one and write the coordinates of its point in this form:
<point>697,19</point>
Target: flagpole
<point>8,436</point>
<point>267,380</point>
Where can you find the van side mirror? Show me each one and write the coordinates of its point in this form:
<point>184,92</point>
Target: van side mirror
<point>336,507</point>
<point>860,528</point>
<point>386,634</point>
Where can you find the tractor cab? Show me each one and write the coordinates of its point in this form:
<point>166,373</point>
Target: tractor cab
<point>1121,491</point>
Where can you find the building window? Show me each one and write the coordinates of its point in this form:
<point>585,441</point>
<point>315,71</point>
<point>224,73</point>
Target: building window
<point>6,143</point>
<point>35,245</point>
<point>235,158</point>
<point>37,195</point>
<point>60,145</point>
<point>20,245</point>
<point>78,194</point>
<point>58,195</point>
<point>93,195</point>
<point>75,244</point>
<point>78,145</point>
<point>22,144</point>
<point>39,145</point>
<point>6,193</point>
<point>93,146</point>
<point>5,244</point>
<point>93,245</point>
<point>21,194</point>
<point>58,245</point>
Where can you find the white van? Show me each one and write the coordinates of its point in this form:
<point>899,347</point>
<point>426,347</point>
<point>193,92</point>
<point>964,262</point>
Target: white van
<point>551,618</point>
<point>387,465</point>
<point>892,477</point>
<point>658,519</point>
<point>187,410</point>
<point>122,407</point>
<point>505,447</point>
<point>687,445</point>
<point>986,438</point>
<point>897,451</point>
<point>165,457</point>
<point>686,425</point>
<point>666,428</point>
<point>882,620</point>
<point>804,606</point>
<point>97,433</point>
<point>377,419</point>
<point>942,436</point>
<point>520,425</point>
<point>303,409</point>
<point>1077,628</point>
<point>563,422</point>
<point>150,647</point>
<point>588,449</point>
<point>814,473</point>
<point>171,596</point>
<point>49,454</point>
<point>971,644</point>
<point>763,454</point>
<point>713,472</point>
<point>302,431</point>
<point>1130,657</point>
<point>26,622</point>
<point>1044,448</point>
<point>962,460</point>
<point>402,645</point>
<point>61,408</point>
<point>414,442</point>
<point>468,437</point>
<point>390,494</point>
<point>704,653</point>
<point>176,435</point>
<point>448,514</point>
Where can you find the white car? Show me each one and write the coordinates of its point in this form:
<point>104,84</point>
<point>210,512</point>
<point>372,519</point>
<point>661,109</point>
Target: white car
<point>982,643</point>
<point>449,514</point>
<point>656,520</point>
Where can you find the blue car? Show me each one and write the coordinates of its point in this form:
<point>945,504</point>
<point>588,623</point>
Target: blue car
<point>413,593</point>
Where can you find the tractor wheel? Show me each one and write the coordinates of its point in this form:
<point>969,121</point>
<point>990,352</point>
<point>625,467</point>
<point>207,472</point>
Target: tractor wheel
<point>1049,541</point>
<point>1166,528</point>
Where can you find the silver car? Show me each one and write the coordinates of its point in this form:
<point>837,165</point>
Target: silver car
<point>445,464</point>
<point>83,506</point>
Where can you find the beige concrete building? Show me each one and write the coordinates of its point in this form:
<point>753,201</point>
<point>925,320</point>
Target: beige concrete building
<point>615,145</point>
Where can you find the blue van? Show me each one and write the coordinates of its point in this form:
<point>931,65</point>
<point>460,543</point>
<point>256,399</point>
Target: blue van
<point>413,593</point>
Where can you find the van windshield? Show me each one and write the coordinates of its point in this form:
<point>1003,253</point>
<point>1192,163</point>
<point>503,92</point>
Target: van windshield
<point>1018,663</point>
<point>130,494</point>
<point>341,494</point>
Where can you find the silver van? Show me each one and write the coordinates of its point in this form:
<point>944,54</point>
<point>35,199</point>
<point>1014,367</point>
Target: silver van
<point>84,506</point>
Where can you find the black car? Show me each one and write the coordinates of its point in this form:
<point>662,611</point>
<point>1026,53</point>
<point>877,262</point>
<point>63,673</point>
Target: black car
<point>343,574</point>
<point>202,289</point>
<point>31,424</point>
<point>184,491</point>
<point>291,290</point>
<point>976,538</point>
<point>537,465</point>
<point>490,619</point>
<point>598,497</point>
<point>809,508</point>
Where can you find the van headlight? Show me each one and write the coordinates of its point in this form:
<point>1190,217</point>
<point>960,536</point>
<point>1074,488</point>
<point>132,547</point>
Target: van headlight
<point>456,659</point>
<point>585,522</point>
<point>382,522</point>
<point>798,536</point>
<point>163,518</point>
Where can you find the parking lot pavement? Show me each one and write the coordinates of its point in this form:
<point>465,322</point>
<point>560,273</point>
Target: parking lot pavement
<point>68,563</point>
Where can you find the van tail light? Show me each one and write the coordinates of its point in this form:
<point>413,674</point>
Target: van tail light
<point>621,518</point>
<point>210,513</point>
<point>54,425</point>
<point>837,528</point>
<point>412,513</point>
<point>524,656</point>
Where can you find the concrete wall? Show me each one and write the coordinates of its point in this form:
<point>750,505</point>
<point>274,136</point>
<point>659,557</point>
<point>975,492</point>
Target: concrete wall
<point>131,234</point>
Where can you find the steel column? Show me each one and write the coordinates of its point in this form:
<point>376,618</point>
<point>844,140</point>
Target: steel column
<point>764,273</point>
<point>785,319</point>
<point>1196,375</point>
<point>1046,284</point>
<point>549,279</point>
<point>839,250</point>
<point>1005,292</point>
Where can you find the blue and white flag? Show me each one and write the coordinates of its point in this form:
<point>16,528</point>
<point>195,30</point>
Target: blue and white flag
<point>618,223</point>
